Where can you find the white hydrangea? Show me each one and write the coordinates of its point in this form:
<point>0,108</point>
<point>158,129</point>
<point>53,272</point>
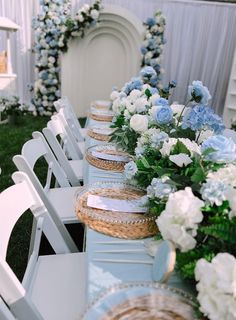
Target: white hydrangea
<point>217,287</point>
<point>181,159</point>
<point>140,104</point>
<point>167,146</point>
<point>179,221</point>
<point>226,174</point>
<point>134,95</point>
<point>205,134</point>
<point>231,197</point>
<point>192,146</point>
<point>116,105</point>
<point>94,14</point>
<point>177,108</point>
<point>129,106</point>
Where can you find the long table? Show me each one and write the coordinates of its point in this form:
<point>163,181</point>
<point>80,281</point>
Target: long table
<point>105,274</point>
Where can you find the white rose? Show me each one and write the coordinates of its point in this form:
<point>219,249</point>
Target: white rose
<point>181,159</point>
<point>139,123</point>
<point>205,134</point>
<point>94,14</point>
<point>148,35</point>
<point>179,221</point>
<point>114,95</point>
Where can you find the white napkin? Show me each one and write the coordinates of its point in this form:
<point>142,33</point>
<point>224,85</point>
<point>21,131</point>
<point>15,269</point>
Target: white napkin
<point>112,157</point>
<point>105,203</point>
<point>105,131</point>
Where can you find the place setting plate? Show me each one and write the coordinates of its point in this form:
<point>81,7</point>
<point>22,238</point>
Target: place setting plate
<point>142,300</point>
<point>101,133</point>
<point>107,157</point>
<point>115,209</point>
<point>101,114</point>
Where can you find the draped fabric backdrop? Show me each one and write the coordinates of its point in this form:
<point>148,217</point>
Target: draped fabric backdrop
<point>201,38</point>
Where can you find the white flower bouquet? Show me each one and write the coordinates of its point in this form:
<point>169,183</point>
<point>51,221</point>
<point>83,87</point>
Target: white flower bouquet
<point>191,187</point>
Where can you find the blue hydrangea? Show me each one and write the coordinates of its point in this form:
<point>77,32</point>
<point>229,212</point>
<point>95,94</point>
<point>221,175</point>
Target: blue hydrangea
<point>157,139</point>
<point>150,22</point>
<point>139,151</point>
<point>160,188</point>
<point>147,72</point>
<point>164,115</point>
<point>213,192</point>
<point>130,170</point>
<point>198,92</point>
<point>143,50</point>
<point>135,83</point>
<point>224,149</point>
<point>153,90</point>
<point>202,117</point>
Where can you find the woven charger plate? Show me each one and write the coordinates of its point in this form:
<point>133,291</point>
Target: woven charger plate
<point>114,223</point>
<point>98,136</point>
<point>110,165</point>
<point>101,117</point>
<point>139,301</point>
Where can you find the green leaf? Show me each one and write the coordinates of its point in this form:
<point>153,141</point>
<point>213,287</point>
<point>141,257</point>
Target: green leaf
<point>225,231</point>
<point>199,175</point>
<point>208,151</point>
<point>180,148</point>
<point>148,93</point>
<point>145,163</point>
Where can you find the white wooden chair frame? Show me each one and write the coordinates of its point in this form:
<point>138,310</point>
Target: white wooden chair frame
<point>65,106</point>
<point>68,155</point>
<point>27,300</point>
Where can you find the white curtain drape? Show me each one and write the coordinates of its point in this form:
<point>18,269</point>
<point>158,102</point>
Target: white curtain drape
<point>21,12</point>
<point>201,38</point>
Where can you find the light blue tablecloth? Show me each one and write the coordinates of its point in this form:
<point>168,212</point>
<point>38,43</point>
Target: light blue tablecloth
<point>105,274</point>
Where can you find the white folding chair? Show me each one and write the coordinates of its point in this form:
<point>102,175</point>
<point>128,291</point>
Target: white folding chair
<point>68,154</point>
<point>61,116</point>
<point>5,313</point>
<point>70,116</point>
<point>60,200</point>
<point>53,286</point>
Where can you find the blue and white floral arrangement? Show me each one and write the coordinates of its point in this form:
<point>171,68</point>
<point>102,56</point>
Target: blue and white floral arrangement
<point>152,47</point>
<point>54,27</point>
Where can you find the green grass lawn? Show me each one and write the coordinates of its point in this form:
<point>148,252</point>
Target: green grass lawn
<point>12,139</point>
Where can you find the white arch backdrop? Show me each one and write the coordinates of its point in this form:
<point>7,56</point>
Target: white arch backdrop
<point>201,40</point>
<point>108,56</point>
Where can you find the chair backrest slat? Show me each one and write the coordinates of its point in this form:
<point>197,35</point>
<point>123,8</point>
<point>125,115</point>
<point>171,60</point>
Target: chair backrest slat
<point>70,116</point>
